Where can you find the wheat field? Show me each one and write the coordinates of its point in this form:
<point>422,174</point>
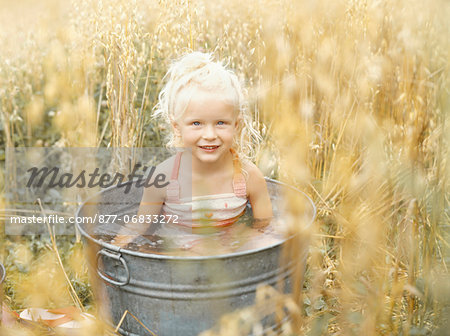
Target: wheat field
<point>352,99</point>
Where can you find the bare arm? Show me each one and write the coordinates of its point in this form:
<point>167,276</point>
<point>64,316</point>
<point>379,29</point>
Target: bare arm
<point>258,196</point>
<point>152,200</point>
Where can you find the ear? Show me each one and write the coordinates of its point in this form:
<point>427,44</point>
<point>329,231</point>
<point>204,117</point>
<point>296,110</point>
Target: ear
<point>237,122</point>
<point>176,128</point>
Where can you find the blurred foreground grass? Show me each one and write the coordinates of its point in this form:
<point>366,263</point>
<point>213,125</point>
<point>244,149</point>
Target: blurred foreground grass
<point>353,100</point>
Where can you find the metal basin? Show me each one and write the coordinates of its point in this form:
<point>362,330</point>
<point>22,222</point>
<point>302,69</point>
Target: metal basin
<point>2,273</point>
<point>174,295</point>
<point>2,278</point>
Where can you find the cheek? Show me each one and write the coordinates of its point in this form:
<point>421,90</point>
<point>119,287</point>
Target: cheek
<point>189,134</point>
<point>228,134</point>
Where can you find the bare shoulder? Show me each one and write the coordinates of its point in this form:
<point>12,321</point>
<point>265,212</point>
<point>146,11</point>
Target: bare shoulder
<point>166,167</point>
<point>255,178</point>
<point>160,177</point>
<point>252,170</point>
<point>257,192</point>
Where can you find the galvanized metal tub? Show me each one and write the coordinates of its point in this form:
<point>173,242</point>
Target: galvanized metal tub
<point>2,274</point>
<point>174,295</point>
<point>2,278</point>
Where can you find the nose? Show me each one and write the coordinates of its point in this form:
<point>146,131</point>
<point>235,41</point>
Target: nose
<point>209,133</point>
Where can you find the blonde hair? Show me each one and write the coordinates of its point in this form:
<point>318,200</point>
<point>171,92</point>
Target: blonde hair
<point>198,70</point>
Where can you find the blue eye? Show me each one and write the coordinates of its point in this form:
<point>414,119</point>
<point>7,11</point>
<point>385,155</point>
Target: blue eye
<point>196,123</point>
<point>220,123</point>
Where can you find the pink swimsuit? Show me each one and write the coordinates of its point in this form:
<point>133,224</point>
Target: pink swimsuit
<point>205,211</point>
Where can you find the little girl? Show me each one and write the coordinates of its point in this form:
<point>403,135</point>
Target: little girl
<point>213,178</point>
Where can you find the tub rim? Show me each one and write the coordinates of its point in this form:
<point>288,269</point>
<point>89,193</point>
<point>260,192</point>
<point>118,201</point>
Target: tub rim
<point>144,255</point>
<point>3,273</point>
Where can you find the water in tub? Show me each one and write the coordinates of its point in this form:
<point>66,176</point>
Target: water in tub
<point>172,239</point>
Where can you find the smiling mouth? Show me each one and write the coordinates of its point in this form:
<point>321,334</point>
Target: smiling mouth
<point>209,147</point>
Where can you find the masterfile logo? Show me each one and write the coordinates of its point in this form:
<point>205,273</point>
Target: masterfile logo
<point>84,179</point>
<point>42,182</point>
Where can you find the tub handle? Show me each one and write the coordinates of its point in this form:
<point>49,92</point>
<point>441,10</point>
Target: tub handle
<point>118,257</point>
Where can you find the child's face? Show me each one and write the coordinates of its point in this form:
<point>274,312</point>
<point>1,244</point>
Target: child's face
<point>207,127</point>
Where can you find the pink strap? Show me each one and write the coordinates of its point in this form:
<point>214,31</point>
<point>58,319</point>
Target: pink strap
<point>173,189</point>
<point>239,185</point>
<point>176,166</point>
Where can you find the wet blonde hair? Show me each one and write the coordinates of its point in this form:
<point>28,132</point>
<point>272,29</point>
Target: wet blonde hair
<point>196,71</point>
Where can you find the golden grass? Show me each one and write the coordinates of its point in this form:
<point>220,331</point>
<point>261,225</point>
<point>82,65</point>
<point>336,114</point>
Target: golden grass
<point>354,99</point>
